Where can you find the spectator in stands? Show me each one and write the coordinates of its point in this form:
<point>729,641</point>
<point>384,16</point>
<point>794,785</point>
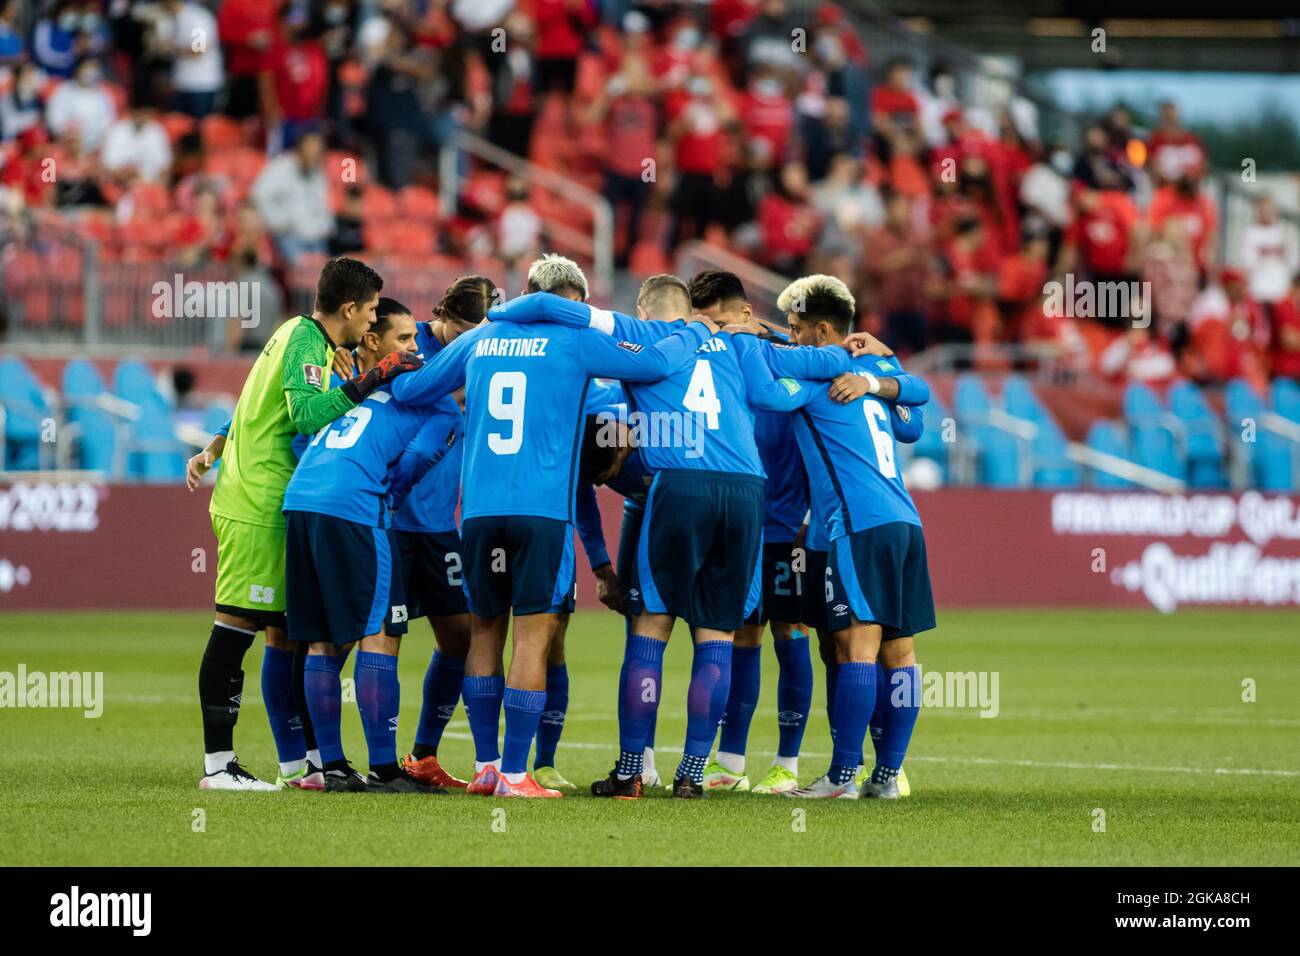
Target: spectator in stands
<point>826,131</point>
<point>1104,241</point>
<point>936,102</point>
<point>766,117</point>
<point>1268,254</point>
<point>82,103</point>
<point>1137,355</point>
<point>70,31</point>
<point>249,237</point>
<point>514,93</point>
<point>1285,347</point>
<point>202,236</point>
<point>897,262</point>
<point>562,26</point>
<point>895,110</point>
<point>696,133</point>
<point>295,80</point>
<point>1228,334</point>
<point>1173,151</point>
<point>518,227</point>
<point>629,116</point>
<point>768,41</point>
<point>247,31</point>
<point>1096,167</point>
<point>965,286</point>
<point>293,199</point>
<point>189,31</point>
<point>136,147</point>
<point>396,112</point>
<point>849,204</point>
<point>12,49</point>
<point>788,222</point>
<point>1183,199</point>
<point>1170,267</point>
<point>20,105</point>
<point>253,273</point>
<point>840,62</point>
<point>349,223</point>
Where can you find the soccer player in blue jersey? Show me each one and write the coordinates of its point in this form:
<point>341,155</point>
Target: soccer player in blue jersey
<point>429,540</point>
<point>344,584</point>
<point>525,388</point>
<point>699,559</point>
<point>877,563</point>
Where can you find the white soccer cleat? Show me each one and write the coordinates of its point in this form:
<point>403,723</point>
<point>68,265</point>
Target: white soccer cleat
<point>823,789</point>
<point>235,777</point>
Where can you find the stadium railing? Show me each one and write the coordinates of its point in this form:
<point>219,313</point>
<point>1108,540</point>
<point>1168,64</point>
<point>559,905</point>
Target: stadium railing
<point>595,247</point>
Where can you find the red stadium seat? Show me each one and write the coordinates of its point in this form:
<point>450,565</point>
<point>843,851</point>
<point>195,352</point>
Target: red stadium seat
<point>240,165</point>
<point>345,168</point>
<point>380,204</point>
<point>416,202</point>
<point>220,132</point>
<point>176,125</point>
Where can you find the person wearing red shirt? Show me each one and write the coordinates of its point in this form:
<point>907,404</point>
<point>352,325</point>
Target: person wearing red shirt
<point>1174,152</point>
<point>895,110</point>
<point>1284,350</point>
<point>561,28</point>
<point>788,224</point>
<point>629,116</point>
<point>295,81</point>
<point>247,29</point>
<point>767,116</point>
<point>697,133</point>
<point>1184,200</point>
<point>1103,240</point>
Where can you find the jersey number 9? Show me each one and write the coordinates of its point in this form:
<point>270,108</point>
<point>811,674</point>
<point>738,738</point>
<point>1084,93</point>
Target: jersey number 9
<point>512,411</point>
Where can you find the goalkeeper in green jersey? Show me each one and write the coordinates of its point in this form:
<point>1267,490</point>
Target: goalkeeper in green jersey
<point>286,393</point>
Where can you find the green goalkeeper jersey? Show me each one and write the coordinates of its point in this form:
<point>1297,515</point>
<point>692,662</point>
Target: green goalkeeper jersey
<point>286,393</point>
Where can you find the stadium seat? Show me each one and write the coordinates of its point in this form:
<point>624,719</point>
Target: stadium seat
<point>96,431</point>
<point>25,409</point>
<point>1051,467</point>
<point>1154,434</point>
<point>996,449</point>
<point>931,444</point>
<point>154,454</point>
<point>1269,457</point>
<point>1204,436</point>
<point>134,382</point>
<point>1110,439</point>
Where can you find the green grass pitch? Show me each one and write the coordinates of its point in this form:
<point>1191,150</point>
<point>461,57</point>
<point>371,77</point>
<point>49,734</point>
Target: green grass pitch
<point>1131,713</point>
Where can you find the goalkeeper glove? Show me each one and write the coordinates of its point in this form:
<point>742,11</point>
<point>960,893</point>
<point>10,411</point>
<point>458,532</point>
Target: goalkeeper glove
<point>388,368</point>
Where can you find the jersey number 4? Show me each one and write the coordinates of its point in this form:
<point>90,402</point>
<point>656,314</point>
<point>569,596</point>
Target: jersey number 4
<point>701,397</point>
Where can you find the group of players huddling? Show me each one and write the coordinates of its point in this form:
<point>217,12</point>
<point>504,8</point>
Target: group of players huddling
<point>760,486</point>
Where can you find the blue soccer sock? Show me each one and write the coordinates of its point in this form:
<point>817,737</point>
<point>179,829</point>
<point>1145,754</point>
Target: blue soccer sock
<point>742,699</point>
<point>640,681</point>
<point>523,712</point>
<point>483,705</point>
<point>794,687</point>
<point>707,697</point>
<point>552,723</point>
<point>442,686</point>
<point>832,675</point>
<point>897,707</point>
<point>855,699</point>
<point>379,698</point>
<point>281,705</point>
<point>324,692</point>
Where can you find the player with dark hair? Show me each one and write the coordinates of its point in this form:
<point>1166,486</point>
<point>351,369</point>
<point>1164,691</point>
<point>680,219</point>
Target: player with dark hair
<point>286,393</point>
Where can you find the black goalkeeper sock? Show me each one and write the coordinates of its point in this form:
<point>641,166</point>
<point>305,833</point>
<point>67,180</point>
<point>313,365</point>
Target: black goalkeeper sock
<point>221,685</point>
<point>387,771</point>
<point>420,751</point>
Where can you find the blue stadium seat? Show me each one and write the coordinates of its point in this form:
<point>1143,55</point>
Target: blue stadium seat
<point>82,385</point>
<point>1052,469</point>
<point>1204,436</point>
<point>1269,456</point>
<point>1286,399</point>
<point>1109,438</point>
<point>931,444</point>
<point>996,450</point>
<point>155,454</point>
<point>134,382</point>
<point>25,408</point>
<point>1154,443</point>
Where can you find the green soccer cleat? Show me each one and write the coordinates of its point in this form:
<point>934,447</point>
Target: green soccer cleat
<point>864,775</point>
<point>549,778</point>
<point>777,780</point>
<point>718,777</point>
<point>904,788</point>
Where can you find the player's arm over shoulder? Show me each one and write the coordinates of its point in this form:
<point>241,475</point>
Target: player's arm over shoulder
<point>304,379</point>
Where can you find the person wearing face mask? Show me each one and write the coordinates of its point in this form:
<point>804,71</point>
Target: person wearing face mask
<point>83,104</point>
<point>295,82</point>
<point>69,31</point>
<point>20,107</point>
<point>697,133</point>
<point>190,31</point>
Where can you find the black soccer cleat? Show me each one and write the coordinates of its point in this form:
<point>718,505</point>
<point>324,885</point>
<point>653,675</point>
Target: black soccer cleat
<point>342,778</point>
<point>617,787</point>
<point>402,782</point>
<point>688,789</point>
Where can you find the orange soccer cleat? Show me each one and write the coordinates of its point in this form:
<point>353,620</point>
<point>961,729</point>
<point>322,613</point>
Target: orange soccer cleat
<point>528,787</point>
<point>484,783</point>
<point>428,770</point>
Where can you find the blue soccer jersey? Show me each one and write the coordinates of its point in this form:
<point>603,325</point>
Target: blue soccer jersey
<point>702,416</point>
<point>345,469</point>
<point>525,399</point>
<point>426,479</point>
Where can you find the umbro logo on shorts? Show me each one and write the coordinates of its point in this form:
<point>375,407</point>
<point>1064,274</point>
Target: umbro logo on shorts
<point>840,608</point>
